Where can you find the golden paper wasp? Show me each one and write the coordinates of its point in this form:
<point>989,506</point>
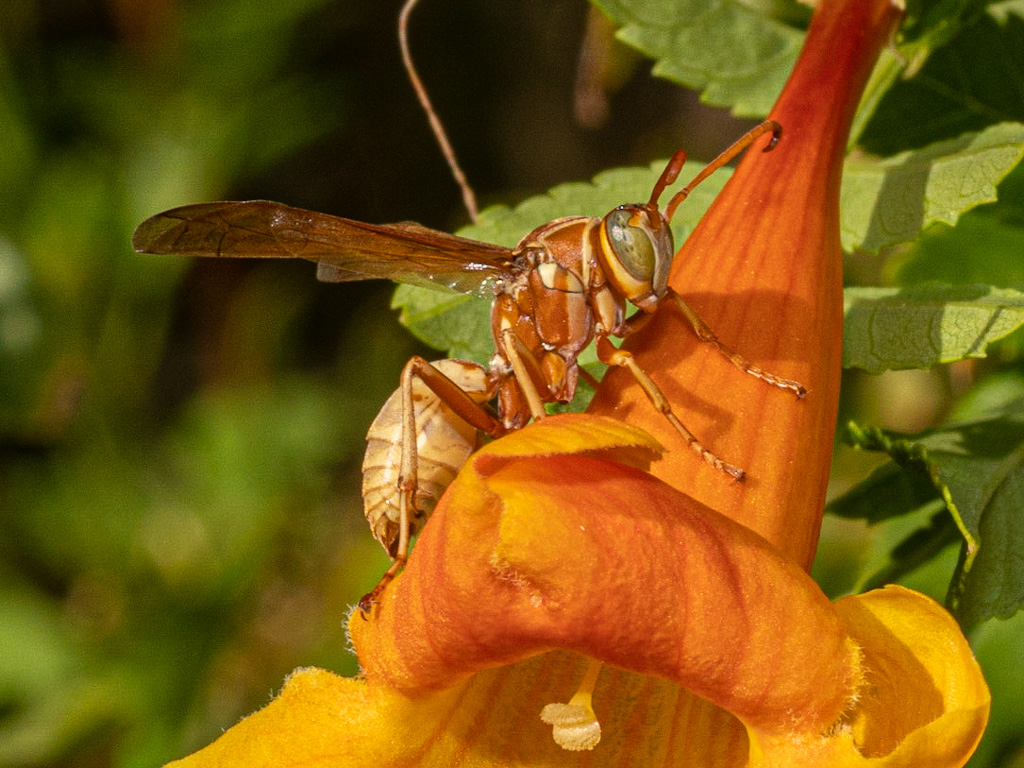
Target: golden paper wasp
<point>564,286</point>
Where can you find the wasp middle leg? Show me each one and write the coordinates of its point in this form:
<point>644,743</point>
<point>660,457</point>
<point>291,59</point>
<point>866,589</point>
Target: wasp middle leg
<point>609,354</point>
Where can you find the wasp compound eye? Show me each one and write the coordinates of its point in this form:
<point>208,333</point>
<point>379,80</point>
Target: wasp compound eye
<point>631,243</point>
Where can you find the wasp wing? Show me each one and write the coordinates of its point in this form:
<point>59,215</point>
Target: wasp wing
<point>344,249</point>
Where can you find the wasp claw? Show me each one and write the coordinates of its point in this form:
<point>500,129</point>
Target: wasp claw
<point>366,603</point>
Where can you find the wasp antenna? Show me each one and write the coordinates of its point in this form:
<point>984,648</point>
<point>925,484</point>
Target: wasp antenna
<point>668,176</point>
<point>468,198</point>
<point>744,141</point>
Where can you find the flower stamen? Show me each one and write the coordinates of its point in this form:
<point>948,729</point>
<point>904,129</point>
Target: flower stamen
<point>574,725</point>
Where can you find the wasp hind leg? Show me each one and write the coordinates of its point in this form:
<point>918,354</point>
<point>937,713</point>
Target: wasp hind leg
<point>407,481</point>
<point>408,492</point>
<point>466,408</point>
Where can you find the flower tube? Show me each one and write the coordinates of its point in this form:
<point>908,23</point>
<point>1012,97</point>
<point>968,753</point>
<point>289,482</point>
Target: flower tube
<point>764,270</point>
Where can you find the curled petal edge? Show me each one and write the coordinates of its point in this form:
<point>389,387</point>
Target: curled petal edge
<point>924,700</point>
<point>561,573</point>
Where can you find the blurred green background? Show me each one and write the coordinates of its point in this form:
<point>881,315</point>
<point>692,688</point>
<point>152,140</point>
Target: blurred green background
<point>180,520</point>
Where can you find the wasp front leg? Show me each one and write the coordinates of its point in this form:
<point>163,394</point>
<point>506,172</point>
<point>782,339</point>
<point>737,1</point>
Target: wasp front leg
<point>608,354</point>
<point>706,335</point>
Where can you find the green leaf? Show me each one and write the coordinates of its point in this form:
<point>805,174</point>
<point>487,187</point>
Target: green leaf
<point>738,57</point>
<point>609,189</point>
<point>921,326</point>
<point>978,469</point>
<point>984,247</point>
<point>889,201</point>
<point>914,551</point>
<point>886,493</point>
<point>916,532</point>
<point>974,81</point>
<point>1003,9</point>
<point>457,323</point>
<point>460,324</point>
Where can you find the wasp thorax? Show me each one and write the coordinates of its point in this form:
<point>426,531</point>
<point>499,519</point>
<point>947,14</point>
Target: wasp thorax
<point>561,313</point>
<point>636,252</point>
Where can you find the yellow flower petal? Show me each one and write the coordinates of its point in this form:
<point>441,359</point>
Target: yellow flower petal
<point>924,701</point>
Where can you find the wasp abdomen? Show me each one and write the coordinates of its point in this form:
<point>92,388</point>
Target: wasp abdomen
<point>444,442</point>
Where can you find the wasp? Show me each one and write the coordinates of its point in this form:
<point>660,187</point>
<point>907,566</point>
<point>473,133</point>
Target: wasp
<point>566,285</point>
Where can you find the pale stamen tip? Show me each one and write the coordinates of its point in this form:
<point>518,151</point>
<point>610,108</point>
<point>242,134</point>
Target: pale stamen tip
<point>574,726</point>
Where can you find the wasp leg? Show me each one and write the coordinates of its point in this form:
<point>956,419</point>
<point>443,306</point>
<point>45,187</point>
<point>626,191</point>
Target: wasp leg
<point>367,601</point>
<point>590,378</point>
<point>706,335</point>
<point>527,372</point>
<point>610,355</point>
<point>474,414</point>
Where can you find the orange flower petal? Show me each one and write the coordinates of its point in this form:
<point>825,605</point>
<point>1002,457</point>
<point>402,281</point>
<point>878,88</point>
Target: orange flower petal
<point>583,554</point>
<point>924,700</point>
<point>552,538</point>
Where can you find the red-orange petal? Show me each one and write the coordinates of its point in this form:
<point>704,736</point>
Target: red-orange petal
<point>764,270</point>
